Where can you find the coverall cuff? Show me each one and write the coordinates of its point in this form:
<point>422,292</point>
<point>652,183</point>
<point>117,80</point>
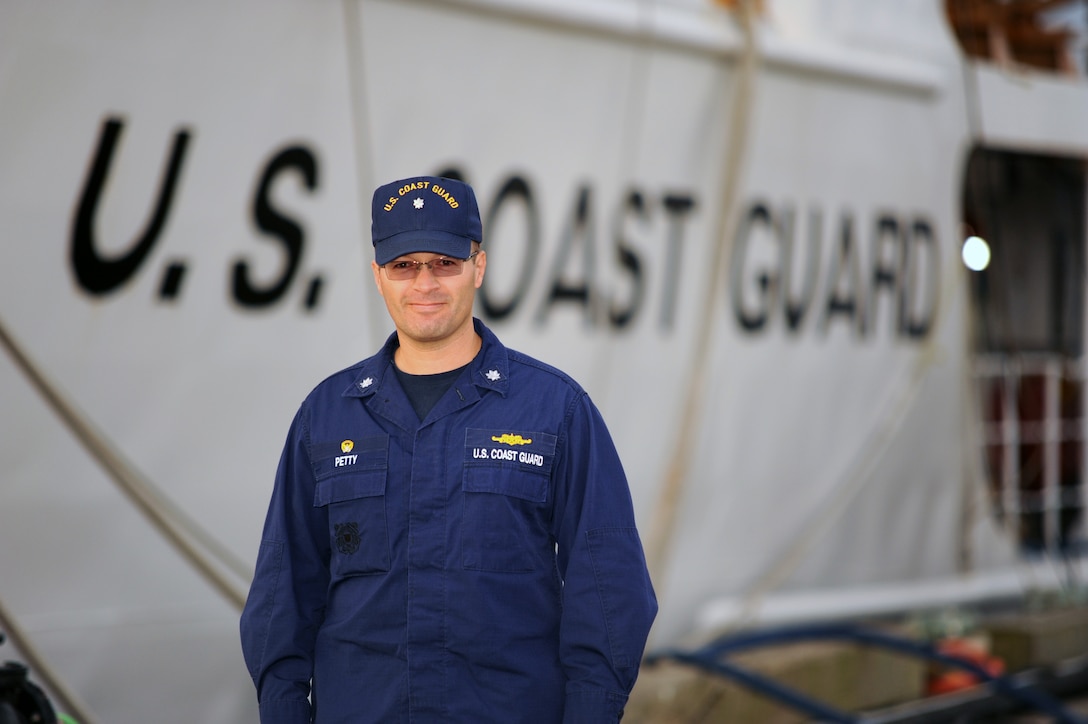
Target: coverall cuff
<point>593,706</point>
<point>285,711</point>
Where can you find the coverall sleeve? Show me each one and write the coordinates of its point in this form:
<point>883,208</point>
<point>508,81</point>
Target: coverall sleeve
<point>608,599</point>
<point>286,601</point>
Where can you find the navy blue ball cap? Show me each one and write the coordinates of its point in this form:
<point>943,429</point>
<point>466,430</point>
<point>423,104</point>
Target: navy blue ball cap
<point>424,213</point>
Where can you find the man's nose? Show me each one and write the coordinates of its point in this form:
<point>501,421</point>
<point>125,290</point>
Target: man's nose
<point>425,277</point>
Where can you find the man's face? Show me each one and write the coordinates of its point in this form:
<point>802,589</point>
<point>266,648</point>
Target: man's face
<point>430,309</point>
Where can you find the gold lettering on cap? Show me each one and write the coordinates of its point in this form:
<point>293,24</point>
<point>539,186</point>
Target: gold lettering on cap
<point>445,195</point>
<point>414,186</point>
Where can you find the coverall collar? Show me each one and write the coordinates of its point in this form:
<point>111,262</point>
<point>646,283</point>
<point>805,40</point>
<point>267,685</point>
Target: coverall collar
<point>489,370</point>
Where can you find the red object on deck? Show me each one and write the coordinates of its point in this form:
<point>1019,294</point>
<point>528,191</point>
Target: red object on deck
<point>943,680</point>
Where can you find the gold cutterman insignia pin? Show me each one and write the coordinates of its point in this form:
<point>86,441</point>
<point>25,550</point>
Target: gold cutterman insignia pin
<point>510,439</point>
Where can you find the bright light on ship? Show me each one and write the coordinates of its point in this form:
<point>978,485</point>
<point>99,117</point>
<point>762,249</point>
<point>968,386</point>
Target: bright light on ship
<point>976,253</point>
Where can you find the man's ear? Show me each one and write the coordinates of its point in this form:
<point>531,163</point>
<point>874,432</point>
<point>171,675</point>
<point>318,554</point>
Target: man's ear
<point>480,267</point>
<point>377,276</point>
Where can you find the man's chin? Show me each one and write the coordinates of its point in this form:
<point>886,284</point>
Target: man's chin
<point>428,330</point>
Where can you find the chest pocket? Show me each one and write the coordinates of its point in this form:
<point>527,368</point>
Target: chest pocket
<point>506,485</point>
<point>351,478</point>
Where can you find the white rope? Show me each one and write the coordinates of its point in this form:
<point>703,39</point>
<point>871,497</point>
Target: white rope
<point>664,517</point>
<point>172,523</point>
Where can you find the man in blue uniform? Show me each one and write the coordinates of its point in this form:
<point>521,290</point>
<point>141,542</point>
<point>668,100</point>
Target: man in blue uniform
<point>450,536</point>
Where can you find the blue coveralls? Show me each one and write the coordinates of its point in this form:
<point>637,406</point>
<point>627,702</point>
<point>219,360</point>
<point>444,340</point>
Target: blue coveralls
<point>479,566</point>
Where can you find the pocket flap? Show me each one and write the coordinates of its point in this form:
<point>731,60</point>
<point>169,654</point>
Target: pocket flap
<point>506,481</point>
<point>350,486</point>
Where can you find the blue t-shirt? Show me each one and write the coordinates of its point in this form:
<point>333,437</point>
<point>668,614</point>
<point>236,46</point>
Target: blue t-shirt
<point>425,390</point>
